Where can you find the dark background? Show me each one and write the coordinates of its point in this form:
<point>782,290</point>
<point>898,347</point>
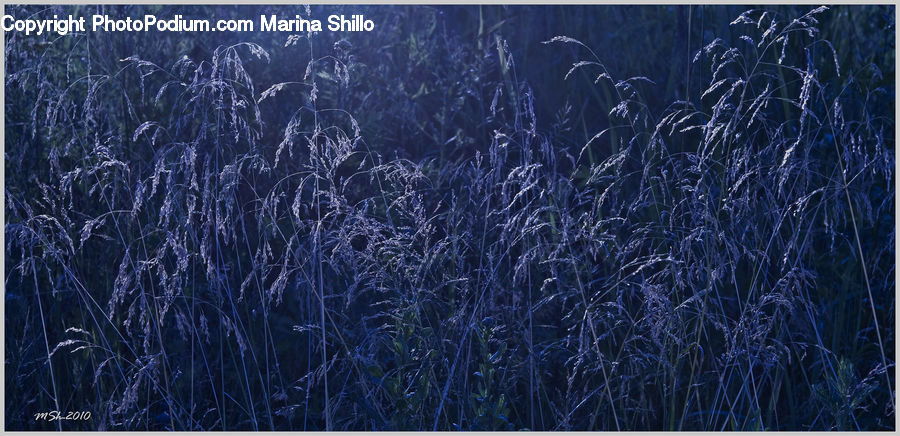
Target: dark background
<point>440,224</point>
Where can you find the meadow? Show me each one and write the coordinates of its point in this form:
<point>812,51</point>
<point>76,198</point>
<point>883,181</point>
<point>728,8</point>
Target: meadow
<point>469,218</point>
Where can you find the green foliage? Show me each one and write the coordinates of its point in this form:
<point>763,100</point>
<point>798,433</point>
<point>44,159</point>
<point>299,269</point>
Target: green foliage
<point>488,403</point>
<point>843,393</point>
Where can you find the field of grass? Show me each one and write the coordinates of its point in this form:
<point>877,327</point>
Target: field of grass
<point>470,218</point>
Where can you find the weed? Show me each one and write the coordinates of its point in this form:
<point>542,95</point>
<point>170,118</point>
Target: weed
<point>448,225</point>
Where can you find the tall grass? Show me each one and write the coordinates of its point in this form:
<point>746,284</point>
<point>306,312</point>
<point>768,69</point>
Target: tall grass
<point>255,237</point>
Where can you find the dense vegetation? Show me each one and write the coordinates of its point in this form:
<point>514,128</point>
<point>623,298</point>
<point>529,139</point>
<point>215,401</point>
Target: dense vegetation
<point>502,218</point>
